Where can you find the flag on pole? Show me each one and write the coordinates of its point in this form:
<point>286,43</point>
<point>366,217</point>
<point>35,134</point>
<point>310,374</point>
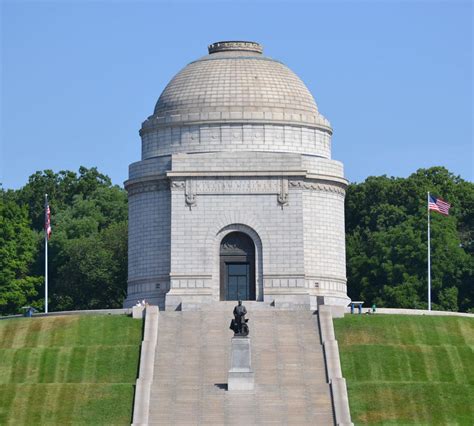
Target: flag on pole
<point>47,219</point>
<point>47,234</point>
<point>438,205</point>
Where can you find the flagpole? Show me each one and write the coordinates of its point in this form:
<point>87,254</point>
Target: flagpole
<point>429,256</point>
<point>45,260</point>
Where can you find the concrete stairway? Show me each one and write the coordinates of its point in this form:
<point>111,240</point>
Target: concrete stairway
<point>192,361</point>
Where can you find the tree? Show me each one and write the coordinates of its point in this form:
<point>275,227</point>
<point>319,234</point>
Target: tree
<point>387,239</point>
<point>61,188</point>
<point>88,247</point>
<point>91,252</point>
<point>18,249</point>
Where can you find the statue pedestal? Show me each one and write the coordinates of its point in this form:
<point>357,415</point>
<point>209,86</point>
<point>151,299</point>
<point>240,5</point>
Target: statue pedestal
<point>241,377</point>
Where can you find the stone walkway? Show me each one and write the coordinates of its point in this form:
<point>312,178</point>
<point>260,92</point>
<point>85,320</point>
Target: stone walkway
<point>192,361</point>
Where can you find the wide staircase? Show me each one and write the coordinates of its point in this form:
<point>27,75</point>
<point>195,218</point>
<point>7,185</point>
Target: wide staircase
<point>192,362</point>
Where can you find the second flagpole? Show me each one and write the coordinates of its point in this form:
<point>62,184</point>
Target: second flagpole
<point>46,256</point>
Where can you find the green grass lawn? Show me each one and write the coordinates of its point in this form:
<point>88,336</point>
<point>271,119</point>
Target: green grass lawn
<point>68,369</point>
<point>403,369</point>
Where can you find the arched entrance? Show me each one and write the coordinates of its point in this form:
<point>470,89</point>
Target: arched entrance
<point>237,267</point>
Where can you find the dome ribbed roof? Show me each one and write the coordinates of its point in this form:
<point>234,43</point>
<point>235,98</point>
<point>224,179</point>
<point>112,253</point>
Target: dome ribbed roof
<point>237,80</point>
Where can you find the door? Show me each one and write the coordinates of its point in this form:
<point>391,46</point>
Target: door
<point>237,267</point>
<point>238,281</point>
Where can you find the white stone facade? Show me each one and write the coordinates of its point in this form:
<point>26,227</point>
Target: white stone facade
<point>236,144</point>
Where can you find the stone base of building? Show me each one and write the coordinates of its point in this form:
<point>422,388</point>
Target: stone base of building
<point>150,298</point>
<point>184,300</point>
<point>178,300</point>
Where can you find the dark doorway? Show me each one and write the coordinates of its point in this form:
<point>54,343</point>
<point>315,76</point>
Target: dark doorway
<point>237,267</point>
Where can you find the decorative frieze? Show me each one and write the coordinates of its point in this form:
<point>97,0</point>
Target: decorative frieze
<point>335,187</point>
<point>229,186</point>
<point>237,186</point>
<point>147,186</point>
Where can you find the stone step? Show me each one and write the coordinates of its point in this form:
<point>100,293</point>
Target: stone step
<point>192,362</point>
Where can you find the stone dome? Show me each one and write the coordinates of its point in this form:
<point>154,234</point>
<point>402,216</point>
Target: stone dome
<point>236,82</point>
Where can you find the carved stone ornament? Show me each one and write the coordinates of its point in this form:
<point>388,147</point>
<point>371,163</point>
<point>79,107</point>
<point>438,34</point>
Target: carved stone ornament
<point>237,186</point>
<point>190,193</point>
<point>284,194</point>
<point>317,186</point>
<point>177,184</point>
<point>237,244</point>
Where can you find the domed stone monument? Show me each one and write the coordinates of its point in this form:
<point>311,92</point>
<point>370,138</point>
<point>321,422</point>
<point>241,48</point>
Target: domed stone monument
<point>236,195</point>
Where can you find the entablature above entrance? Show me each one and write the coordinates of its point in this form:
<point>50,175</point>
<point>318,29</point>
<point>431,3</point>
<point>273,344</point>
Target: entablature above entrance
<point>237,184</point>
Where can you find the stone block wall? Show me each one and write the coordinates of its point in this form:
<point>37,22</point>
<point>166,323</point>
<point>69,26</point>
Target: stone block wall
<point>197,230</point>
<point>181,206</point>
<point>324,242</point>
<point>168,140</point>
<point>149,244</point>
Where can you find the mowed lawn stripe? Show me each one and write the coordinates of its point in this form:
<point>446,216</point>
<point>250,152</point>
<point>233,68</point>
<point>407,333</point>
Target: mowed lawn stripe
<point>409,363</point>
<point>408,369</point>
<point>49,365</point>
<point>407,330</point>
<point>9,330</point>
<point>70,330</point>
<point>87,364</point>
<point>65,404</point>
<point>416,404</point>
<point>70,370</point>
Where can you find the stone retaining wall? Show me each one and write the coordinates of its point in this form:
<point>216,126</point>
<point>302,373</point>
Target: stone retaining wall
<point>340,398</point>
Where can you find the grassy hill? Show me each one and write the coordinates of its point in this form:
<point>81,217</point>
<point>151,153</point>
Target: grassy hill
<point>408,369</point>
<point>68,370</point>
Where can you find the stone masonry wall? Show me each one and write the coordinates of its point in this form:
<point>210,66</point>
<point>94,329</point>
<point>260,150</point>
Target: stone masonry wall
<point>149,245</point>
<point>235,137</point>
<point>324,242</point>
<point>196,235</point>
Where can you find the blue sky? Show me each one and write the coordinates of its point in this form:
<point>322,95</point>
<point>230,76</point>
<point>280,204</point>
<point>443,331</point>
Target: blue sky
<point>394,78</point>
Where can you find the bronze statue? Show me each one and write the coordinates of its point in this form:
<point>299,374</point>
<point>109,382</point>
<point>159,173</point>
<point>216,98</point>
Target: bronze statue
<point>239,323</point>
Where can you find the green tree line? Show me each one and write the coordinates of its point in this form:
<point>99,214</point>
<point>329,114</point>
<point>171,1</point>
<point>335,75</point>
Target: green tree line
<point>87,251</point>
<point>386,221</point>
<point>386,241</point>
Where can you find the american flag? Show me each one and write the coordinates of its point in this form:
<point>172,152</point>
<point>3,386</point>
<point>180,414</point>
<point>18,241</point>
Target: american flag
<point>47,219</point>
<point>439,205</point>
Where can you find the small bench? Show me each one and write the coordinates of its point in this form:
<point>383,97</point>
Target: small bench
<point>357,304</point>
